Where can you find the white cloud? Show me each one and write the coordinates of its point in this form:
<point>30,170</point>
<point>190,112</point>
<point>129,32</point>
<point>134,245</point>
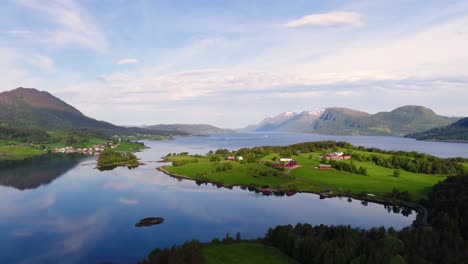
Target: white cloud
<point>48,201</point>
<point>130,202</point>
<point>197,72</point>
<point>21,233</point>
<point>13,74</point>
<point>114,77</point>
<point>41,61</point>
<point>332,19</point>
<point>117,185</point>
<point>19,32</point>
<point>436,51</point>
<point>127,61</point>
<point>73,25</point>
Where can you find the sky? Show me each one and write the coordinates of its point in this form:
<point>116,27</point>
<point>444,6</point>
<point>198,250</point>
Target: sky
<point>233,63</point>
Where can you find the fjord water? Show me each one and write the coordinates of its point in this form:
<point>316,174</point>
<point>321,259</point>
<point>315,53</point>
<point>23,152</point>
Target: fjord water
<point>66,211</point>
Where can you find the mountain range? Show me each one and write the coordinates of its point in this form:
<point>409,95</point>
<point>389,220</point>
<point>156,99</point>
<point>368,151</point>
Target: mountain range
<point>30,108</point>
<point>343,121</point>
<point>191,129</point>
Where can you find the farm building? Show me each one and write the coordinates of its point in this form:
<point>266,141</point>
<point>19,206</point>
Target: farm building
<point>325,167</point>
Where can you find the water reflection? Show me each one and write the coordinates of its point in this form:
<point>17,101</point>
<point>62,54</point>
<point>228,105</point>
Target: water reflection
<point>89,216</point>
<point>34,172</point>
<point>113,167</point>
<point>395,209</point>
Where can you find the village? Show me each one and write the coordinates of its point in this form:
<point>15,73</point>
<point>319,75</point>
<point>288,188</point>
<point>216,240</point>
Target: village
<point>94,150</point>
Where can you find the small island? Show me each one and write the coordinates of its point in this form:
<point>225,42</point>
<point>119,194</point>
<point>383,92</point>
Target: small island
<point>149,221</point>
<point>110,159</point>
<point>327,168</point>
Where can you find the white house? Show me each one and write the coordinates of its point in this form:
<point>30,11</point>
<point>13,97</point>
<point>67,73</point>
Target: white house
<point>240,158</point>
<point>285,159</point>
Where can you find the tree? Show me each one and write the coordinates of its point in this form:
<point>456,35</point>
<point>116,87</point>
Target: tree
<point>215,158</point>
<point>238,236</point>
<point>396,173</point>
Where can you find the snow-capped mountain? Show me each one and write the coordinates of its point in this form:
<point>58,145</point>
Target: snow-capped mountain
<point>289,121</point>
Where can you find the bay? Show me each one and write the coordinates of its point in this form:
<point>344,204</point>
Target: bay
<point>54,212</point>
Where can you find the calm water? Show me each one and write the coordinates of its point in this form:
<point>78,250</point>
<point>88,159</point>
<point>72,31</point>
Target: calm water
<point>65,211</point>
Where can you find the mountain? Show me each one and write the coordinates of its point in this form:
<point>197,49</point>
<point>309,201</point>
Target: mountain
<point>337,120</point>
<point>410,119</point>
<point>457,131</point>
<point>191,129</point>
<point>34,109</point>
<point>30,108</point>
<point>290,122</point>
<point>344,121</point>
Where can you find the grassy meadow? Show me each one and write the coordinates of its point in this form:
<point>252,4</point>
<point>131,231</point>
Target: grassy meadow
<point>379,180</point>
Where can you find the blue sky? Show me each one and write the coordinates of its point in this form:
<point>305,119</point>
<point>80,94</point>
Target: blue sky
<point>232,63</point>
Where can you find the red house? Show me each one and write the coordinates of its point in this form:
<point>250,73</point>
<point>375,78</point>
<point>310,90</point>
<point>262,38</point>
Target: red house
<point>291,164</point>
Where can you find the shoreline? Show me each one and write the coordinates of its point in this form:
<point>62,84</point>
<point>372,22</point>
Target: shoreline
<point>120,164</point>
<point>422,212</point>
<point>441,140</point>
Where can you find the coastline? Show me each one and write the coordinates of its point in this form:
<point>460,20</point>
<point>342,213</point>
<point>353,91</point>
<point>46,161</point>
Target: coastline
<point>421,210</point>
<point>441,140</point>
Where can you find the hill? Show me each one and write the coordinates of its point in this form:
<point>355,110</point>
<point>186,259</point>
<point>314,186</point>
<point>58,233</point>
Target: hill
<point>344,121</point>
<point>29,108</point>
<point>457,131</point>
<point>190,129</point>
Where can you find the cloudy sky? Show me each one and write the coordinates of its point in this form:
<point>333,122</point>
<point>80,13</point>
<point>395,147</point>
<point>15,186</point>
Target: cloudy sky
<point>232,63</point>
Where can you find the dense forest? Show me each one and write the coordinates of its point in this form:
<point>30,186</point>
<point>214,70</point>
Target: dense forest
<point>445,240</point>
<point>70,137</point>
<point>24,135</point>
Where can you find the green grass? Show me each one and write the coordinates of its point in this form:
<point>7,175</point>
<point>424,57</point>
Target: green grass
<point>18,153</point>
<point>240,174</point>
<point>128,147</point>
<point>379,181</point>
<point>244,253</point>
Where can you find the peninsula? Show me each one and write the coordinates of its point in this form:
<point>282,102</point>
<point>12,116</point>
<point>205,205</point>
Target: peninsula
<point>329,168</point>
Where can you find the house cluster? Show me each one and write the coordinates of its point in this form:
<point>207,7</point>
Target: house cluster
<point>94,150</point>
<point>337,156</point>
<point>287,163</point>
<point>238,158</point>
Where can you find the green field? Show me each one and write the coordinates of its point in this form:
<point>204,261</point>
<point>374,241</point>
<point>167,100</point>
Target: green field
<point>240,174</point>
<point>244,253</point>
<point>379,181</point>
<point>18,153</point>
<point>128,147</point>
